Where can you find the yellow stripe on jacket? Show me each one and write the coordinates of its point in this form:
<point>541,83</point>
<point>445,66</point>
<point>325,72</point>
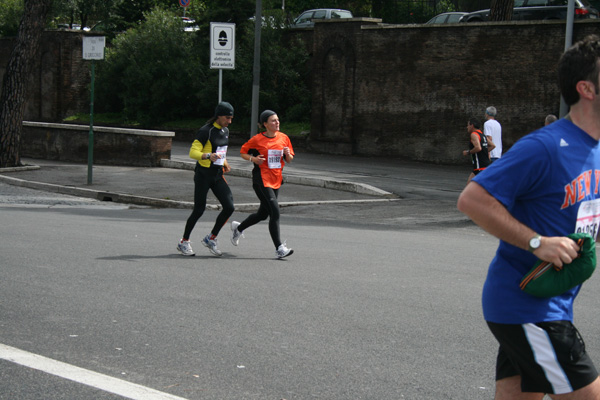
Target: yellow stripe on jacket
<point>197,150</point>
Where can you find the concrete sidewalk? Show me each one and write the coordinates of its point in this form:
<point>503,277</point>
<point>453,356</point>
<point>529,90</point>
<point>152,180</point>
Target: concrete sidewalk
<point>310,180</point>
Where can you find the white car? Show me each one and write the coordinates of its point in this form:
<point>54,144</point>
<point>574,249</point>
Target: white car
<point>306,19</point>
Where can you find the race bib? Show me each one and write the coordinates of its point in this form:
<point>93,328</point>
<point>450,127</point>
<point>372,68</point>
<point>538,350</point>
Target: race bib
<point>221,152</point>
<point>588,217</point>
<point>274,159</point>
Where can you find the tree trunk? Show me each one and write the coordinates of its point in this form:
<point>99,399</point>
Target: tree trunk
<point>13,96</point>
<point>502,10</point>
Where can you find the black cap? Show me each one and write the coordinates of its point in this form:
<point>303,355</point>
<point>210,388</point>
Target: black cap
<point>224,108</point>
<point>264,116</point>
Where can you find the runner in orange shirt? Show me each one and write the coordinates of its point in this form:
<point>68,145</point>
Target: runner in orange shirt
<point>268,151</point>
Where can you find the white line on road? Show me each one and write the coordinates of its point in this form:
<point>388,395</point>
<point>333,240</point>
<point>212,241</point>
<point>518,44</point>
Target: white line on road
<point>84,376</point>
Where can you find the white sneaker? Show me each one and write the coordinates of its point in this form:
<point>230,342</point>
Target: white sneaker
<point>283,251</point>
<point>185,247</point>
<point>235,235</point>
<point>212,245</point>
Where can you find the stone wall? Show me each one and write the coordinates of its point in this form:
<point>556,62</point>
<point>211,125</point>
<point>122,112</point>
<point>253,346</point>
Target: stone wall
<point>402,91</point>
<point>112,146</point>
<point>407,91</point>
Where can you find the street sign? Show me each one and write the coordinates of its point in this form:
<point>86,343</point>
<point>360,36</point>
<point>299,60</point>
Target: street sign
<point>93,47</point>
<point>222,45</point>
<point>184,3</point>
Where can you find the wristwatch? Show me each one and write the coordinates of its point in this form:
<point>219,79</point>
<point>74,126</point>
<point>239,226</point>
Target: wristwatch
<point>535,242</point>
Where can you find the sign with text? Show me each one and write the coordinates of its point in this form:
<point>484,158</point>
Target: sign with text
<point>222,45</point>
<point>93,47</point>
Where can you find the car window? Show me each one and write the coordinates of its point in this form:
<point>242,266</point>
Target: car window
<point>536,3</point>
<point>319,14</point>
<point>558,2</point>
<point>343,14</point>
<point>519,3</point>
<point>453,18</point>
<point>439,19</point>
<point>304,17</point>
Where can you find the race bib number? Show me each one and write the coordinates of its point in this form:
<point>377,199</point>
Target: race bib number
<point>274,159</point>
<point>222,153</point>
<point>588,217</point>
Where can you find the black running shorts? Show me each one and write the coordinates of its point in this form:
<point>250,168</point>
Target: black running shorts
<point>550,357</point>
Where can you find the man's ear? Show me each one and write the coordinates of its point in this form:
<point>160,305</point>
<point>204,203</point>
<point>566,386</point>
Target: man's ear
<point>586,89</point>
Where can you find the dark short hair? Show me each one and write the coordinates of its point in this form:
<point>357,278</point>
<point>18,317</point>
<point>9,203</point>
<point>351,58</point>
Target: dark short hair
<point>475,122</point>
<point>579,63</point>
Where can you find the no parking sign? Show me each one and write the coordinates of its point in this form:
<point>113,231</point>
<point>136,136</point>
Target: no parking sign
<point>184,3</point>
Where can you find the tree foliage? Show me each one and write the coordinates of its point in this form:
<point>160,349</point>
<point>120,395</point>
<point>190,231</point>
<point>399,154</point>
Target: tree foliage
<point>10,15</point>
<point>157,72</point>
<point>149,71</point>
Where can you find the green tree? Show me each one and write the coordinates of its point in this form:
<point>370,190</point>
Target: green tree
<point>82,12</point>
<point>11,12</point>
<point>14,85</point>
<point>149,71</point>
<point>157,72</point>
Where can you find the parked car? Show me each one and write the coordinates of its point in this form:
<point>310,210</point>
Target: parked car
<point>306,19</point>
<point>526,10</point>
<point>189,24</point>
<point>446,18</point>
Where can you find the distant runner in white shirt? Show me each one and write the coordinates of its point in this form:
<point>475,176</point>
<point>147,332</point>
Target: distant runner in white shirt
<point>493,130</point>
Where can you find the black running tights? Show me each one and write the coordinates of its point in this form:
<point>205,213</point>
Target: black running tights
<point>205,179</point>
<point>269,208</point>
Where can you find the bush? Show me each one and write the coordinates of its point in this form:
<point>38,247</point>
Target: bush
<point>157,72</point>
<point>10,17</point>
<point>149,71</point>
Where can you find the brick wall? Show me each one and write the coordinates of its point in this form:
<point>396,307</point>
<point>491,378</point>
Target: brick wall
<point>407,91</point>
<point>401,91</point>
<point>60,79</point>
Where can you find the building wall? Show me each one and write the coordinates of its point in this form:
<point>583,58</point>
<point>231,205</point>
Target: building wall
<point>59,82</point>
<point>402,91</point>
<point>407,91</point>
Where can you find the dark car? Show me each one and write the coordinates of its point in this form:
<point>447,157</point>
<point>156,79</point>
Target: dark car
<point>526,10</point>
<point>446,18</point>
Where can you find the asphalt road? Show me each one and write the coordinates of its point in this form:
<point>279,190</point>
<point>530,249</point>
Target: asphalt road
<point>357,312</point>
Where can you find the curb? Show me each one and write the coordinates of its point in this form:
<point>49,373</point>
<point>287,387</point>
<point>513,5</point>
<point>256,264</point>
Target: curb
<point>160,203</point>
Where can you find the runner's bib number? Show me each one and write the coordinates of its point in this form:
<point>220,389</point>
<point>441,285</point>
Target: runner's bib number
<point>274,159</point>
<point>222,153</point>
<point>588,217</point>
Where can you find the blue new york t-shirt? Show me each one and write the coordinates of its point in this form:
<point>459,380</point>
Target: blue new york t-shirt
<point>549,180</point>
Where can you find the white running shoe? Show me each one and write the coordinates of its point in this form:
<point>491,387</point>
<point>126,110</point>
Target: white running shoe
<point>185,247</point>
<point>283,251</point>
<point>235,235</point>
<point>212,245</point>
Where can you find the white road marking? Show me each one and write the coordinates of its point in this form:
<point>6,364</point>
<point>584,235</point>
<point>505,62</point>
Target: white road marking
<point>83,376</point>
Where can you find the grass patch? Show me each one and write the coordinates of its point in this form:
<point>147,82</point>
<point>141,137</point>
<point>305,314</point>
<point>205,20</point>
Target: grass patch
<point>107,119</point>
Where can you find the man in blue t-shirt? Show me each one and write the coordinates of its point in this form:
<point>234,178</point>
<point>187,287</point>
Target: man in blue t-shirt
<point>544,188</point>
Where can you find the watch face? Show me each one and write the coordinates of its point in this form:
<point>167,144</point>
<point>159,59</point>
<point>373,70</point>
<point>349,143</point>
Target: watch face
<point>534,243</point>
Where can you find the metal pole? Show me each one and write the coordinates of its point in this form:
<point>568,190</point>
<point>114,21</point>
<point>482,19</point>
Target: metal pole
<point>564,109</point>
<point>91,135</point>
<point>256,68</point>
<point>220,84</point>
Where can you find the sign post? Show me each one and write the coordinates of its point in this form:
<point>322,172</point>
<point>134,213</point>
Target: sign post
<point>185,4</point>
<point>222,49</point>
<point>93,49</point>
